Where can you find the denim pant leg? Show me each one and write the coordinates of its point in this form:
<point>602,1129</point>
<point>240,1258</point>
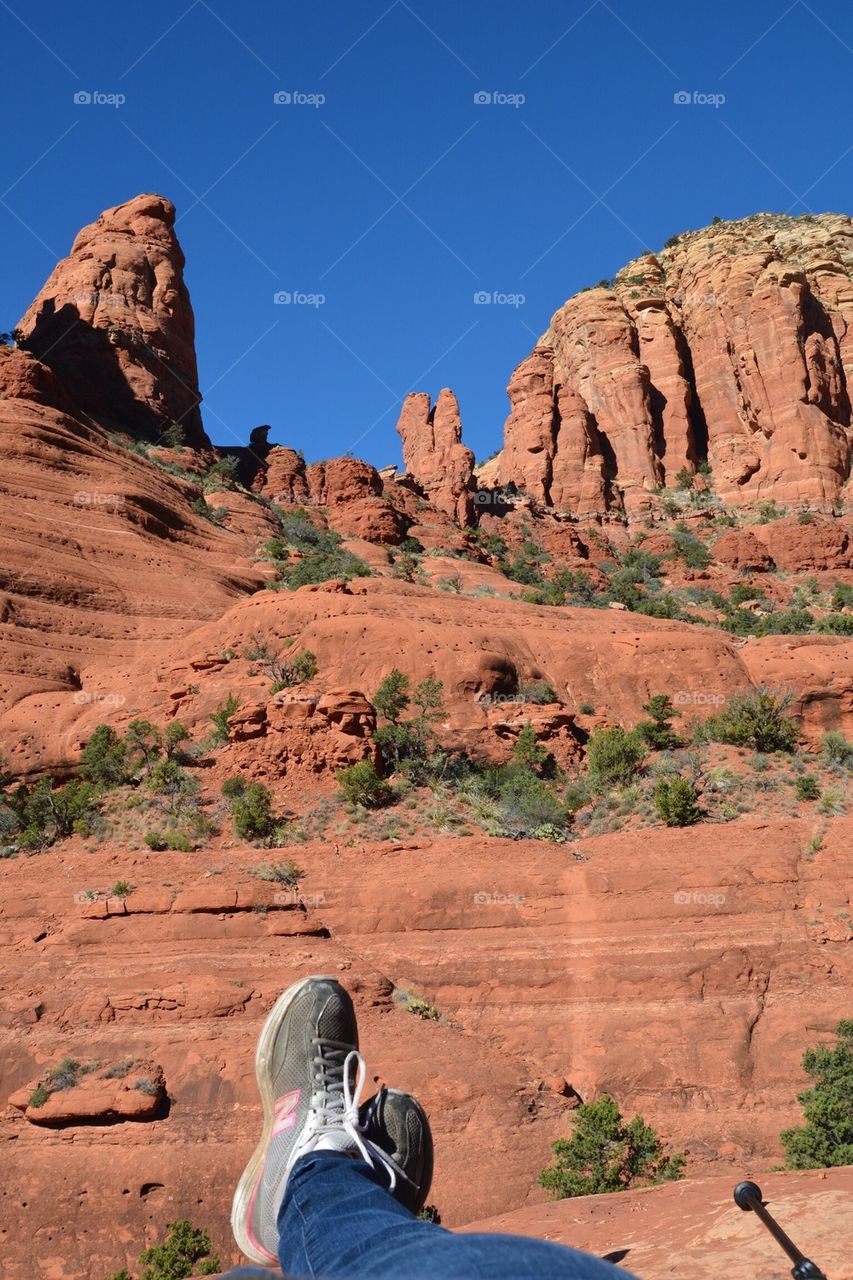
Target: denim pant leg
<point>338,1220</point>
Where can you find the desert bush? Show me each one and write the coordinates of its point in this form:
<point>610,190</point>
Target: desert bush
<point>613,756</point>
<point>676,802</point>
<point>842,596</point>
<point>104,760</point>
<point>220,718</point>
<point>757,719</point>
<point>287,873</point>
<point>185,1248</point>
<point>806,787</point>
<point>605,1154</point>
<point>825,1140</point>
<point>539,692</point>
<point>46,815</point>
<point>690,549</point>
<point>657,730</point>
<point>512,800</point>
<point>836,751</point>
<point>363,786</point>
<point>252,812</point>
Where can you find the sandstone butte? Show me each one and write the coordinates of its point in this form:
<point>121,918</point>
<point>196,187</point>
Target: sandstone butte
<point>683,971</point>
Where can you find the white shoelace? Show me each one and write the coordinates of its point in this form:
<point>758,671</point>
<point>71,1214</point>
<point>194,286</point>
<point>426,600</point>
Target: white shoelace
<point>342,1090</point>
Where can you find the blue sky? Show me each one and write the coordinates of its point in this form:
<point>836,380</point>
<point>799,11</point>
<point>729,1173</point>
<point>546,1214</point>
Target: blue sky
<point>384,188</point>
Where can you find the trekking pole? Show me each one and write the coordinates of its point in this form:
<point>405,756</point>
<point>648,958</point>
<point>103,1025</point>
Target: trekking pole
<point>747,1196</point>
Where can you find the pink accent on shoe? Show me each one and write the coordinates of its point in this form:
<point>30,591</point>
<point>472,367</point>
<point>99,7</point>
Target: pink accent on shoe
<point>285,1118</point>
<point>285,1112</point>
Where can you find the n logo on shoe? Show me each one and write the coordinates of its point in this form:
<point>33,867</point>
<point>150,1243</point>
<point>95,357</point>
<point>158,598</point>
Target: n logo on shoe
<point>285,1112</point>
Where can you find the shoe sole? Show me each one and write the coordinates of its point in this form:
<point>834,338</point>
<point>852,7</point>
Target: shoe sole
<point>425,1181</point>
<point>241,1205</point>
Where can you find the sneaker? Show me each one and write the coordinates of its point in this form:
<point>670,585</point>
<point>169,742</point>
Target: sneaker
<point>397,1123</point>
<point>310,1076</point>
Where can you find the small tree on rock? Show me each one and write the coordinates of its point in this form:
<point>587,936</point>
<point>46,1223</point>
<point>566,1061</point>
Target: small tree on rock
<point>605,1154</point>
<point>826,1139</point>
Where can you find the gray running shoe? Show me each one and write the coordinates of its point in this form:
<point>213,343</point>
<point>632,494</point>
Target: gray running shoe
<point>310,1076</point>
<point>397,1123</point>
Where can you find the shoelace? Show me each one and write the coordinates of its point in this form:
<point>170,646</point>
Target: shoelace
<point>342,1090</point>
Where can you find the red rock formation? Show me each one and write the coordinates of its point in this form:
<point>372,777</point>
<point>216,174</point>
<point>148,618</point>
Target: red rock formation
<point>434,454</point>
<point>730,345</point>
<point>740,549</point>
<point>114,322</point>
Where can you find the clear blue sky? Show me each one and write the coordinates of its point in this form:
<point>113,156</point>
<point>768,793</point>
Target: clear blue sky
<point>399,197</point>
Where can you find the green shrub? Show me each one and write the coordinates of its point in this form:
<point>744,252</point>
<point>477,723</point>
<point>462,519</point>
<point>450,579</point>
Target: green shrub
<point>222,474</point>
<point>144,744</point>
<point>177,841</point>
<point>613,756</point>
<point>825,1141</point>
<point>539,692</point>
<point>842,596</point>
<point>220,718</point>
<point>287,873</point>
<point>691,550</point>
<point>233,787</point>
<point>175,735</point>
<point>511,800</point>
<point>756,720</point>
<point>392,697</point>
<point>104,759</point>
<point>806,787</point>
<point>605,1154</point>
<point>768,511</point>
<point>657,731</point>
<point>121,889</point>
<point>676,802</point>
<point>176,1258</point>
<point>38,1097</point>
<point>527,752</point>
<point>640,566</point>
<point>410,746</point>
<point>65,1075</point>
<point>321,567</point>
<point>362,785</point>
<point>252,812</point>
<point>836,751</point>
<point>46,815</point>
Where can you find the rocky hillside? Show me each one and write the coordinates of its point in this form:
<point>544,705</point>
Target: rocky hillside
<point>524,880</point>
<point>729,351</point>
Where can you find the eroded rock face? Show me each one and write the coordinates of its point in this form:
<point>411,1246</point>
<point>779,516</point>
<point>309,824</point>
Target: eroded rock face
<point>115,323</point>
<point>434,454</point>
<point>730,345</point>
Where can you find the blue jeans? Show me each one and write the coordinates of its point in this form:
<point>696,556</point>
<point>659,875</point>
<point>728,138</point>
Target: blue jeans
<point>338,1220</point>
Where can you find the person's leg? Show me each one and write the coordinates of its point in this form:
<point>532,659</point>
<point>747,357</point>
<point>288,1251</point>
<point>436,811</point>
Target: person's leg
<point>338,1220</point>
<point>329,1200</point>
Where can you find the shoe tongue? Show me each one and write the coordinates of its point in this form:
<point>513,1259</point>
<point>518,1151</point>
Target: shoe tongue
<point>336,1140</point>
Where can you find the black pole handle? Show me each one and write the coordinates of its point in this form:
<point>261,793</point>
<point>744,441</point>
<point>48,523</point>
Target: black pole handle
<point>747,1196</point>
